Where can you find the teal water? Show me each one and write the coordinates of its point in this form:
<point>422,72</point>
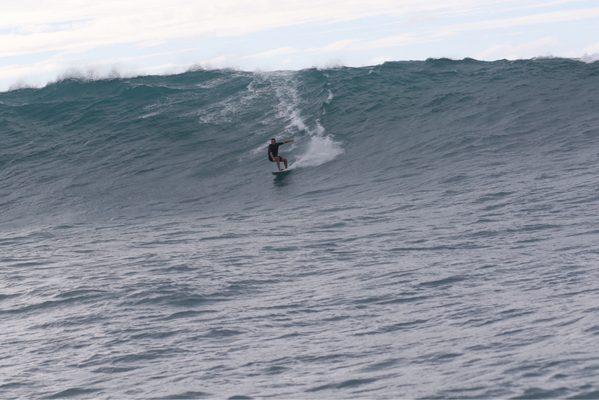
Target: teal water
<point>436,238</point>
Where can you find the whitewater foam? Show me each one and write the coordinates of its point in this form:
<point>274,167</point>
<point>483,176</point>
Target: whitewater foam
<point>319,150</point>
<point>320,147</point>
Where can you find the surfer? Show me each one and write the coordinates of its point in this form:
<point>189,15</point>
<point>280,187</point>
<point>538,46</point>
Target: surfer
<point>273,152</point>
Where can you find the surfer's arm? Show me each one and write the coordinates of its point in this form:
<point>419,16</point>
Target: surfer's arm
<point>288,141</point>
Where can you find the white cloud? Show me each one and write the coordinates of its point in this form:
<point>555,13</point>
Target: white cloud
<point>334,46</point>
<point>288,51</point>
<point>543,18</point>
<point>276,52</point>
<point>71,30</point>
<point>137,21</point>
<point>86,24</point>
<point>393,41</point>
<point>540,47</point>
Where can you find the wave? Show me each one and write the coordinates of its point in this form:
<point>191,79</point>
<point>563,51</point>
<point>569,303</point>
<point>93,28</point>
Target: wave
<point>196,142</point>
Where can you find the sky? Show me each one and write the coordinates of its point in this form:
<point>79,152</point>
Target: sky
<point>45,40</point>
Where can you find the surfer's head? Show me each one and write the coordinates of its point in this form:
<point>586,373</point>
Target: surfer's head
<point>273,141</point>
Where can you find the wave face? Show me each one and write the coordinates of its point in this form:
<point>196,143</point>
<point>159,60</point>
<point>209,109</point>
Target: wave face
<point>196,141</point>
<point>436,237</point>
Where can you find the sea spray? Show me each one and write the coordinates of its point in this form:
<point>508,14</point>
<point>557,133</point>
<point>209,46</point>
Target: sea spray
<point>317,147</point>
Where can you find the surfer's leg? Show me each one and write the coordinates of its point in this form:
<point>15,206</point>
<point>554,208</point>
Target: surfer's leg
<point>284,162</point>
<point>278,160</point>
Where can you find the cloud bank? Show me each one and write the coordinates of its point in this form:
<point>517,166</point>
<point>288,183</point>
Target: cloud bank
<point>41,39</point>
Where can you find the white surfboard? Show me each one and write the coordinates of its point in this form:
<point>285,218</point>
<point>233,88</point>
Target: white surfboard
<point>280,173</point>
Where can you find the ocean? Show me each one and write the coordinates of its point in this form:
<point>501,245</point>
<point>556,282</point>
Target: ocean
<point>437,236</point>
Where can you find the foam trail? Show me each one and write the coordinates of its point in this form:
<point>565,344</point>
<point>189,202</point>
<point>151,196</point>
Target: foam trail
<point>320,150</point>
<point>321,147</point>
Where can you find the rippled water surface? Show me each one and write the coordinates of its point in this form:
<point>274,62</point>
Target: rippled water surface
<point>449,253</point>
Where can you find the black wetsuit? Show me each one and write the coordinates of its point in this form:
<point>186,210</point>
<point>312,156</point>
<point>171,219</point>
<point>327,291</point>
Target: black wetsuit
<point>274,150</point>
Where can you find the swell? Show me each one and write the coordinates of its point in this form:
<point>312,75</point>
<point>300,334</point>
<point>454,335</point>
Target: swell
<point>196,141</point>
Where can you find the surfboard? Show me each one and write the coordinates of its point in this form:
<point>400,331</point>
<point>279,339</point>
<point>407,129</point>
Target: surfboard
<point>281,173</point>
